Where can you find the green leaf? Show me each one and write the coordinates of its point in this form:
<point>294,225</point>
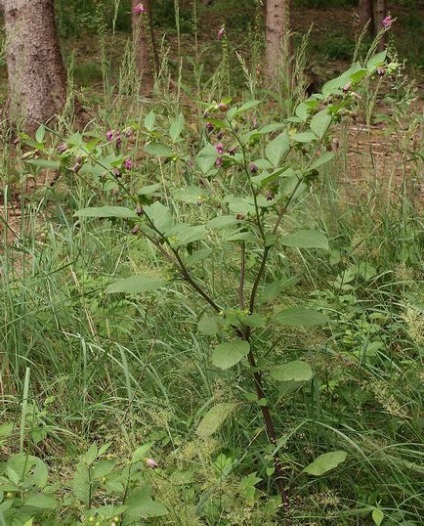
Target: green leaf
<point>160,216</point>
<point>320,123</point>
<point>5,430</point>
<point>222,221</point>
<point>376,61</point>
<point>103,468</point>
<point>149,121</point>
<point>209,325</point>
<point>306,239</point>
<point>176,128</point>
<point>140,452</point>
<point>43,502</point>
<point>198,255</point>
<point>334,86</point>
<point>190,194</point>
<point>136,284</point>
<point>184,234</point>
<point>278,148</point>
<point>140,505</point>
<point>40,134</point>
<point>149,189</point>
<point>158,149</point>
<point>228,354</point>
<point>358,75</point>
<point>248,106</point>
<point>206,158</point>
<point>299,317</point>
<point>302,111</point>
<point>45,163</point>
<point>325,462</point>
<point>107,211</point>
<point>91,455</point>
<point>377,516</point>
<point>214,419</point>
<point>296,371</point>
<point>304,137</point>
<point>254,320</point>
<point>81,484</point>
<point>323,159</point>
<point>270,128</point>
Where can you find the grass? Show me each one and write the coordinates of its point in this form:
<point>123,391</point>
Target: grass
<point>81,367</point>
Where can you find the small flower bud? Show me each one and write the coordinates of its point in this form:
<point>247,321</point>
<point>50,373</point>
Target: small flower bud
<point>219,148</point>
<point>253,167</point>
<point>62,147</point>
<point>150,463</point>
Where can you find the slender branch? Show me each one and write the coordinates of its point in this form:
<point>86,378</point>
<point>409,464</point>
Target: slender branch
<point>186,275</point>
<point>242,274</point>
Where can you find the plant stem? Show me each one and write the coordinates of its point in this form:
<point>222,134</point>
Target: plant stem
<point>242,274</point>
<point>270,429</point>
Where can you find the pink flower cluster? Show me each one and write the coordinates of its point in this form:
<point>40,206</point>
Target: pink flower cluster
<point>387,22</point>
<point>139,9</point>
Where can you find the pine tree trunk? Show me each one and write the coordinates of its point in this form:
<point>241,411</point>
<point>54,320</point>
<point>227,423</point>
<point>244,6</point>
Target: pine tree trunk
<point>365,15</point>
<point>379,12</point>
<point>279,50</point>
<point>36,75</point>
<point>145,53</point>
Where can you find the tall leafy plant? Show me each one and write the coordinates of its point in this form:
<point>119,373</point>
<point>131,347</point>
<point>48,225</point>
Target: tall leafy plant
<point>250,178</point>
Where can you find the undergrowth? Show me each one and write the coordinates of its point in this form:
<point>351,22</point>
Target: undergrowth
<point>137,402</point>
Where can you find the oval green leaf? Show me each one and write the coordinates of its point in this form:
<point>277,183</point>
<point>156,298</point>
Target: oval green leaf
<point>299,317</point>
<point>325,463</point>
<point>158,149</point>
<point>228,354</point>
<point>306,239</point>
<point>296,371</point>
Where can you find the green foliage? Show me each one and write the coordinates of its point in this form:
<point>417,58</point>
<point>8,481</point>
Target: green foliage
<point>150,302</point>
<point>26,496</point>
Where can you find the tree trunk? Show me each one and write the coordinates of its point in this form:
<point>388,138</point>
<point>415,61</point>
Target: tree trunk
<point>36,75</point>
<point>365,15</point>
<point>279,49</point>
<point>379,12</point>
<point>144,48</point>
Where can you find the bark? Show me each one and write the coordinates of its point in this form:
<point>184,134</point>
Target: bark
<point>379,12</point>
<point>279,49</point>
<point>144,48</point>
<point>365,15</point>
<point>36,74</point>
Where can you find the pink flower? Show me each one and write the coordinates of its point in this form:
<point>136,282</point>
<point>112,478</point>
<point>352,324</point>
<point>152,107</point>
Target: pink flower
<point>139,8</point>
<point>150,463</point>
<point>219,148</point>
<point>218,162</point>
<point>221,33</point>
<point>387,22</point>
<point>128,164</point>
<point>109,135</point>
